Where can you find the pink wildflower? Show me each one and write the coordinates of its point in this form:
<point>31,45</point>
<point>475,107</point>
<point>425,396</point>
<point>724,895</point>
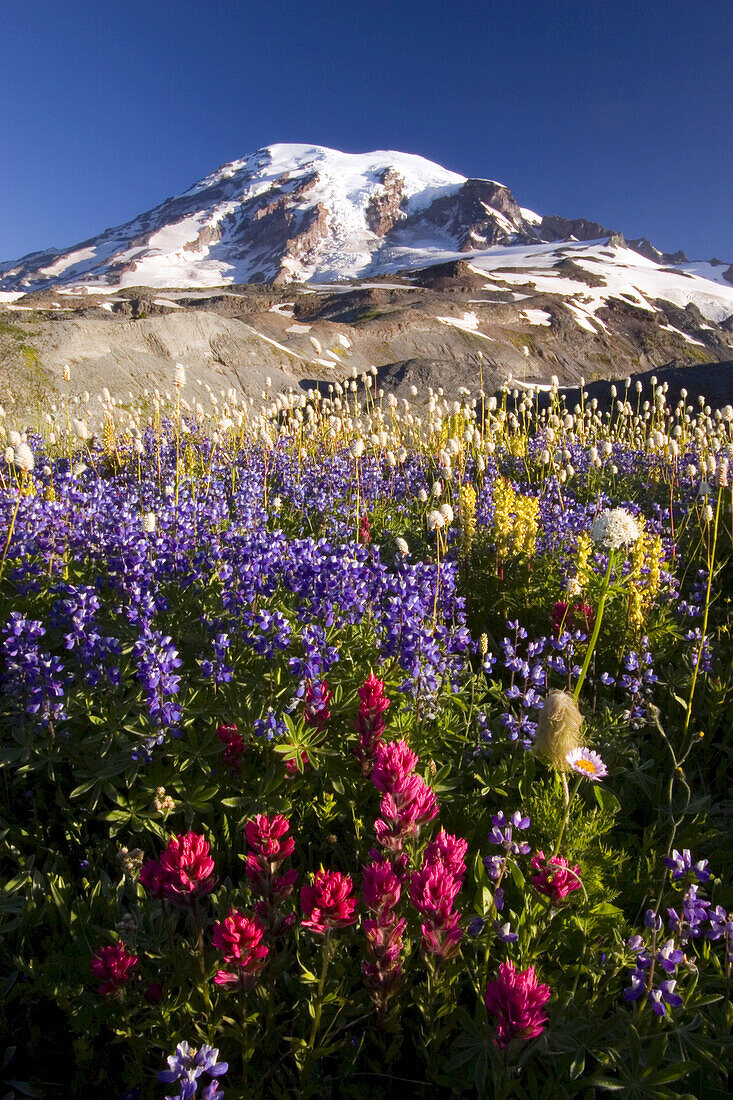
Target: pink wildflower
<point>266,836</point>
<point>382,888</point>
<point>239,938</point>
<point>442,942</point>
<point>263,836</point>
<point>556,879</point>
<point>577,616</point>
<point>154,993</point>
<point>365,530</point>
<point>113,965</point>
<point>408,802</point>
<point>433,890</point>
<point>291,766</point>
<point>329,903</point>
<point>184,872</point>
<point>315,705</point>
<point>382,968</point>
<point>394,763</point>
<point>450,850</point>
<point>517,1000</point>
<point>370,724</point>
<point>235,746</point>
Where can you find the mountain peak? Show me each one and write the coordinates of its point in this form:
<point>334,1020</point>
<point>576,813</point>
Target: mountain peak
<point>301,212</point>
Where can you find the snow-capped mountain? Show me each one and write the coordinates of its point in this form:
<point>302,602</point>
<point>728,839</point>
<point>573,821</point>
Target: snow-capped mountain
<point>310,214</point>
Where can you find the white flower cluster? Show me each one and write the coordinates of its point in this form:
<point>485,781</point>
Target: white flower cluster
<point>441,517</point>
<point>615,528</point>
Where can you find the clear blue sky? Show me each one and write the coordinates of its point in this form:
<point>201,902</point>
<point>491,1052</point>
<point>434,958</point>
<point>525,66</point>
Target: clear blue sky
<point>616,110</point>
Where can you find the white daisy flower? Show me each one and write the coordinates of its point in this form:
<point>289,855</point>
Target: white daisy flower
<point>587,763</point>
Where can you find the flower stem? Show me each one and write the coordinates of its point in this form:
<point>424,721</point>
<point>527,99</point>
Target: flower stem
<point>596,627</point>
<point>245,1052</point>
<point>566,815</point>
<point>318,1007</point>
<point>10,534</point>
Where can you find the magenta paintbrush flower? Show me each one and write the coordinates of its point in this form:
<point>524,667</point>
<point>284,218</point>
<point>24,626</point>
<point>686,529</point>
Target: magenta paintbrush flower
<point>394,764</point>
<point>315,705</point>
<point>113,966</point>
<point>266,836</point>
<point>382,887</point>
<point>184,872</point>
<point>370,723</point>
<point>263,834</point>
<point>556,878</point>
<point>235,746</point>
<point>408,802</point>
<point>517,999</point>
<point>329,903</point>
<point>239,938</point>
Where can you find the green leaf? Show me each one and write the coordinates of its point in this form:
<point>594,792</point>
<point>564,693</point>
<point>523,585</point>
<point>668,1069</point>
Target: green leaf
<point>517,875</point>
<point>671,1073</point>
<point>606,799</point>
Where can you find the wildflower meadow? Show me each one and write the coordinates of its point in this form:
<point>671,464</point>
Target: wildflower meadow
<point>355,746</point>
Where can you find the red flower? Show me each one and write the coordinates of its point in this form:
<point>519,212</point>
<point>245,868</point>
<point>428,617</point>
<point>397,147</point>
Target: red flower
<point>442,941</point>
<point>112,965</point>
<point>239,938</point>
<point>517,1000</point>
<point>434,888</point>
<point>154,993</point>
<point>184,872</point>
<point>370,724</point>
<point>329,902</point>
<point>578,616</point>
<point>556,879</point>
<point>291,766</point>
<point>404,814</point>
<point>382,888</point>
<point>408,802</point>
<point>315,709</point>
<point>394,764</point>
<point>365,530</point>
<point>235,746</point>
<point>263,835</point>
<point>449,850</point>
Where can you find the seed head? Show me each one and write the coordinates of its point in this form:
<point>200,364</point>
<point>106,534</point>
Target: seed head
<point>558,730</point>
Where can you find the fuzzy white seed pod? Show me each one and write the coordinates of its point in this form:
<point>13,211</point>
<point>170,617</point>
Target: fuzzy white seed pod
<point>24,458</point>
<point>558,729</point>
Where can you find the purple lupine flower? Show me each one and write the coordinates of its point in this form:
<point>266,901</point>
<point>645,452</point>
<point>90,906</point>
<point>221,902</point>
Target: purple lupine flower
<point>680,863</point>
<point>669,957</point>
<point>504,932</point>
<point>653,920</point>
<point>721,924</point>
<point>188,1064</point>
<point>501,834</point>
<point>664,995</point>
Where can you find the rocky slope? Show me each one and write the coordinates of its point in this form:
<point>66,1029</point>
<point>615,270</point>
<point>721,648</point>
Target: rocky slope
<point>307,213</point>
<point>450,325</point>
<point>307,265</point>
